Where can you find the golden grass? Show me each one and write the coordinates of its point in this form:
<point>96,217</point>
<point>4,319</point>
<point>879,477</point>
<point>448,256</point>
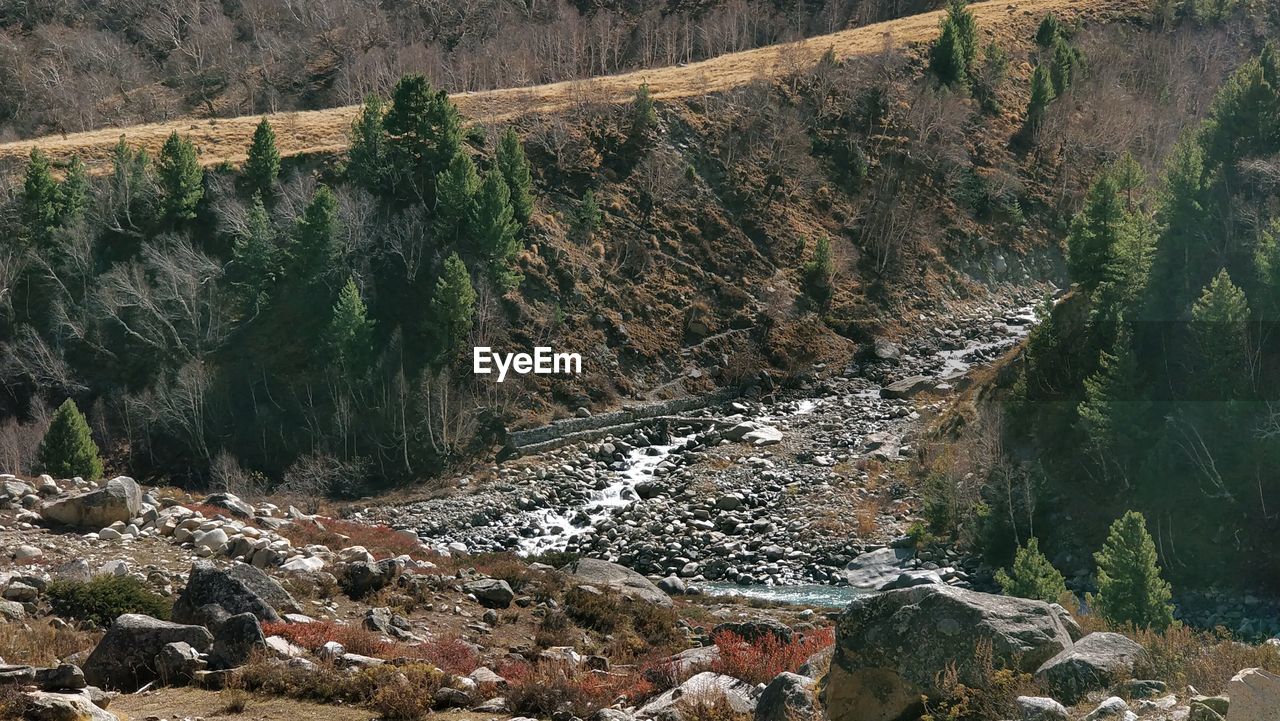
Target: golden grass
<point>225,139</point>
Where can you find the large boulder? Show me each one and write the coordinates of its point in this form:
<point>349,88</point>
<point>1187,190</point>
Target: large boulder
<point>490,592</point>
<point>892,647</point>
<point>788,696</point>
<point>1094,663</point>
<point>119,500</point>
<point>236,640</point>
<point>41,706</point>
<point>706,687</point>
<point>873,569</point>
<point>234,591</point>
<point>125,658</point>
<point>619,578</point>
<point>1255,696</point>
<point>364,578</point>
<point>1037,708</point>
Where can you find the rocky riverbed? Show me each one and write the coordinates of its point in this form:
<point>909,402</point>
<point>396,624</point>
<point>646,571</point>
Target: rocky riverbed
<point>779,490</point>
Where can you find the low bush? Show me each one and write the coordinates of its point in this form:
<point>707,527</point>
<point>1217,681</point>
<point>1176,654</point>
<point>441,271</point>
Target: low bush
<point>39,644</point>
<point>381,541</point>
<point>449,654</point>
<point>404,693</point>
<point>544,689</point>
<point>761,660</point>
<point>635,627</point>
<point>312,636</point>
<point>1182,656</point>
<point>104,598</point>
<point>995,697</point>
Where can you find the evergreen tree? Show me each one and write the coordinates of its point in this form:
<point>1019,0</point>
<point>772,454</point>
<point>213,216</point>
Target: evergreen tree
<point>1267,261</point>
<point>1041,96</point>
<point>1244,121</point>
<point>1032,576</point>
<point>453,305</point>
<point>425,131</point>
<point>368,159</point>
<point>946,57</point>
<point>644,116</point>
<point>1130,589</point>
<point>350,330</point>
<point>1220,324</point>
<point>1183,252</point>
<point>456,191</point>
<point>496,231</point>
<point>588,217</point>
<point>314,253</point>
<point>67,449</point>
<point>263,164</point>
<point>1063,70</point>
<point>1130,179</point>
<point>514,165</point>
<point>1095,232</point>
<point>817,274</point>
<point>181,179</point>
<point>41,200</point>
<point>1049,31</point>
<point>255,263</point>
<point>966,30</point>
<point>1114,413</point>
<point>990,76</point>
<point>74,194</point>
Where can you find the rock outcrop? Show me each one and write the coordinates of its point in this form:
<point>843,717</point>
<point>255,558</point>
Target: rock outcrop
<point>124,659</point>
<point>118,501</point>
<point>1094,663</point>
<point>1255,696</point>
<point>232,591</point>
<point>630,584</point>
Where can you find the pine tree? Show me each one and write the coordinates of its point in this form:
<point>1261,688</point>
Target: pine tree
<point>255,262</point>
<point>496,231</point>
<point>1220,324</point>
<point>1041,95</point>
<point>1049,31</point>
<point>1094,233</point>
<point>315,249</point>
<point>966,30</point>
<point>453,305</point>
<point>1032,576</point>
<point>67,448</point>
<point>1063,70</point>
<point>350,330</point>
<point>514,165</point>
<point>1267,261</point>
<point>1130,589</point>
<point>263,165</point>
<point>425,131</point>
<point>1130,179</point>
<point>1114,413</point>
<point>181,179</point>
<point>456,191</point>
<point>817,274</point>
<point>644,116</point>
<point>73,196</point>
<point>946,57</point>
<point>368,159</point>
<point>1183,253</point>
<point>588,217</point>
<point>41,200</point>
<point>989,76</point>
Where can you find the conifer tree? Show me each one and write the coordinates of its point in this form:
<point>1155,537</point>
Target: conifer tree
<point>350,330</point>
<point>67,449</point>
<point>263,164</point>
<point>588,217</point>
<point>514,165</point>
<point>1267,261</point>
<point>41,200</point>
<point>1041,96</point>
<point>817,274</point>
<point>644,116</point>
<point>966,30</point>
<point>1130,589</point>
<point>425,132</point>
<point>946,57</point>
<point>456,191</point>
<point>315,248</point>
<point>1032,576</point>
<point>368,159</point>
<point>1095,232</point>
<point>1114,412</point>
<point>181,179</point>
<point>1064,67</point>
<point>1130,178</point>
<point>1049,31</point>
<point>255,263</point>
<point>1219,322</point>
<point>453,305</point>
<point>1182,255</point>
<point>496,231</point>
<point>74,194</point>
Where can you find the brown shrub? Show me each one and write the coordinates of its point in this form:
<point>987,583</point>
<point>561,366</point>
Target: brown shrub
<point>312,636</point>
<point>636,627</point>
<point>449,654</point>
<point>40,644</point>
<point>381,541</point>
<point>403,693</point>
<point>1204,659</point>
<point>406,693</point>
<point>759,661</point>
<point>994,697</point>
<point>545,688</point>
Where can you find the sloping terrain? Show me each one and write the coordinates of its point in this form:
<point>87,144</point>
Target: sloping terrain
<point>225,140</point>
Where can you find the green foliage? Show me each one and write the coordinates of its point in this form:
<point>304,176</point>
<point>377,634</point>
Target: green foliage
<point>67,449</point>
<point>587,218</point>
<point>1095,233</point>
<point>817,274</point>
<point>1049,32</point>
<point>1267,263</point>
<point>644,116</point>
<point>74,194</point>
<point>1114,410</point>
<point>425,135</point>
<point>105,598</point>
<point>1130,589</point>
<point>989,76</point>
<point>456,191</point>
<point>350,330</point>
<point>369,157</point>
<point>1220,326</point>
<point>1032,576</point>
<point>181,179</point>
<point>1042,94</point>
<point>41,200</point>
<point>255,260</point>
<point>314,251</point>
<point>263,164</point>
<point>513,164</point>
<point>954,52</point>
<point>453,305</point>
<point>1065,66</point>
<point>496,230</point>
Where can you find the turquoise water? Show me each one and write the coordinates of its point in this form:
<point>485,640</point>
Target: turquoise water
<point>809,595</point>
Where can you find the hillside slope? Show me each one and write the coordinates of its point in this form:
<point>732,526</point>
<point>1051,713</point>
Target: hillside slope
<point>225,140</point>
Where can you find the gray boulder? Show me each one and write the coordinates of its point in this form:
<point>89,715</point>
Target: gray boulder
<point>120,500</point>
<point>230,503</point>
<point>42,706</point>
<point>788,696</point>
<point>177,663</point>
<point>63,677</point>
<point>491,592</point>
<point>236,640</point>
<point>619,578</point>
<point>125,658</point>
<point>907,387</point>
<point>1255,696</point>
<point>363,578</point>
<point>1034,708</point>
<point>756,630</point>
<point>740,696</point>
<point>874,569</point>
<point>1094,663</point>
<point>892,647</point>
<point>208,585</point>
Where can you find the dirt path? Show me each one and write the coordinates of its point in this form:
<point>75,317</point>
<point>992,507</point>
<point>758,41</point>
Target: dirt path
<point>226,139</point>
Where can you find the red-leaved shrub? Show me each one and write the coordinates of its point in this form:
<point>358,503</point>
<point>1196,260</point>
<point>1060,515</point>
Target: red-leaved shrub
<point>761,660</point>
<point>312,636</point>
<point>449,654</point>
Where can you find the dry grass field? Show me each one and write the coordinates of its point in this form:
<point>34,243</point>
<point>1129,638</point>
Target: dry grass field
<point>225,139</point>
